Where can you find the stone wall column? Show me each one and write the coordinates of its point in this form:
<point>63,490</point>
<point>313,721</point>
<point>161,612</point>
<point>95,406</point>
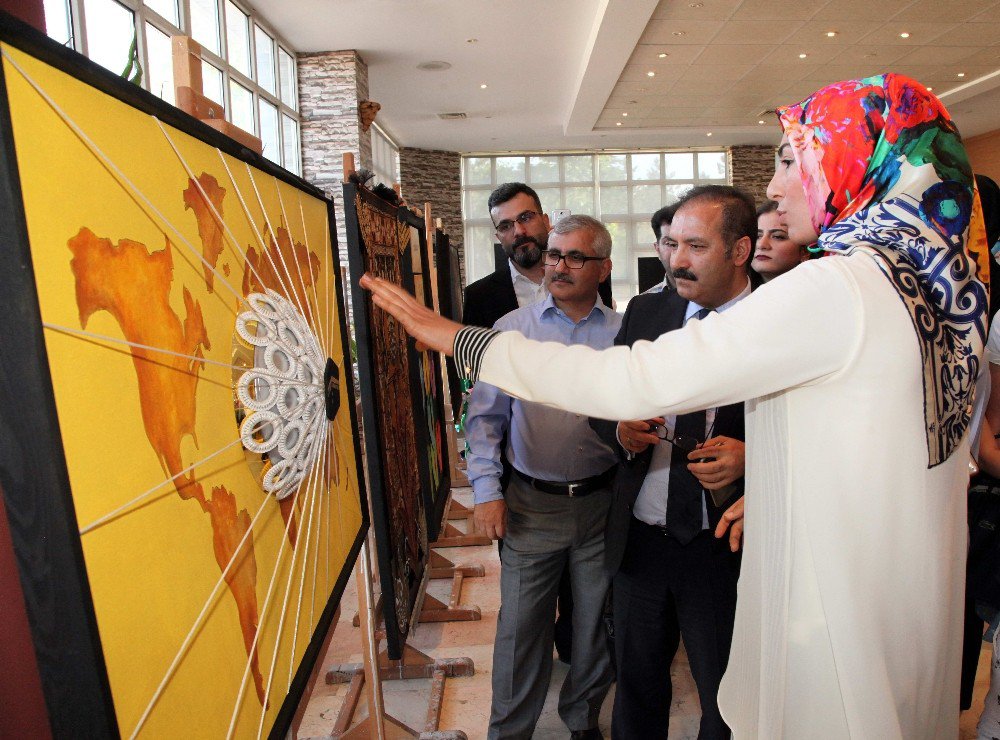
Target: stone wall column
<point>434,176</point>
<point>331,84</point>
<point>752,168</point>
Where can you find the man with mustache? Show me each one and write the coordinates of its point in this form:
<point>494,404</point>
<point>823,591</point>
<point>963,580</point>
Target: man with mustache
<point>672,577</point>
<point>553,512</point>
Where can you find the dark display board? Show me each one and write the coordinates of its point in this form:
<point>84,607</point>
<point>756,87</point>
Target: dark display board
<point>449,273</point>
<point>178,446</point>
<point>382,241</point>
<point>650,271</point>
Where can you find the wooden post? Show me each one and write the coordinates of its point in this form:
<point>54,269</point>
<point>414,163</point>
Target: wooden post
<point>348,165</point>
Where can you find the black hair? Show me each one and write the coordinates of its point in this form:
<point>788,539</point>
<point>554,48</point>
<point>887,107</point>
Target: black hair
<point>768,206</point>
<point>665,214</point>
<point>507,191</point>
<point>739,214</point>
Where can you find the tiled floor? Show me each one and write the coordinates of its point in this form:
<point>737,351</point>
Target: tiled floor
<point>466,703</point>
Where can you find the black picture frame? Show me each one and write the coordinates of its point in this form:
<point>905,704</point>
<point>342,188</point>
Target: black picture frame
<point>33,469</point>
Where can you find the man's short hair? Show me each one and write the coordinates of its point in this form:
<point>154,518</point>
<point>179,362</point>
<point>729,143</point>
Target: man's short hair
<point>600,236</point>
<point>768,206</point>
<point>507,191</point>
<point>664,215</point>
<point>739,214</point>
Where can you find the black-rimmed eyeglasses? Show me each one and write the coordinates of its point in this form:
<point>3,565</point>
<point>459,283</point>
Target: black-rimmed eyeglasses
<point>525,217</point>
<point>574,260</point>
<point>680,441</point>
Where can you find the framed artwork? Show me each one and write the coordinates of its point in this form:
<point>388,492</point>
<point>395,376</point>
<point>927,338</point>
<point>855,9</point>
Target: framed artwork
<point>432,434</point>
<point>380,241</point>
<point>177,418</point>
<point>449,276</point>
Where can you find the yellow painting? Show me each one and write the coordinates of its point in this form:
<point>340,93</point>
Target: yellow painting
<point>195,345</point>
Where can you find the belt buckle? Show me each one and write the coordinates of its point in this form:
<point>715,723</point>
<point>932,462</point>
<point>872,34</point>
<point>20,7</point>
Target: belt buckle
<point>571,488</point>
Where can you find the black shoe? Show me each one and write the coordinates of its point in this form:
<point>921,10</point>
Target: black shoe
<point>592,733</point>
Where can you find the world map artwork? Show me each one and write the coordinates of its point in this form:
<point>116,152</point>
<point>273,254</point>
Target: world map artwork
<point>167,271</point>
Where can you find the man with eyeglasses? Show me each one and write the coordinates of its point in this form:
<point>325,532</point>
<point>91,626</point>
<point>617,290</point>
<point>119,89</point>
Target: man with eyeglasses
<point>553,512</point>
<point>672,577</point>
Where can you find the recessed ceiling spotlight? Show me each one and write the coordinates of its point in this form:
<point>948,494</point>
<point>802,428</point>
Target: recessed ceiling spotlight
<point>904,35</point>
<point>760,122</point>
<point>651,73</point>
<point>619,123</point>
<point>831,34</point>
<point>696,5</point>
<point>709,133</point>
<point>434,66</point>
<point>961,74</point>
<point>643,89</point>
<point>678,33</point>
<point>803,56</point>
<point>662,55</point>
<point>625,114</point>
<point>483,86</point>
<point>930,89</point>
<point>472,41</point>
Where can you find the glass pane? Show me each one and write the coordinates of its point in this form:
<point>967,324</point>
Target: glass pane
<point>57,21</point>
<point>290,143</point>
<point>269,131</point>
<point>612,166</point>
<point>550,199</point>
<point>510,169</point>
<point>614,200</point>
<point>205,24</point>
<point>110,32</point>
<point>286,70</point>
<point>161,63</point>
<point>580,200</point>
<point>712,165</point>
<point>679,166</point>
<point>238,38</point>
<point>211,77</point>
<point>241,107</point>
<point>578,169</point>
<point>643,236</point>
<point>646,166</point>
<point>619,245</point>
<point>674,193</point>
<point>544,169</point>
<point>166,8</point>
<point>477,170</point>
<point>475,204</point>
<point>646,198</point>
<point>264,46</point>
<point>478,252</point>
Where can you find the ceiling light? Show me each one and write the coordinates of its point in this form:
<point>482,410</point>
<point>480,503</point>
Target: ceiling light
<point>643,89</point>
<point>619,123</point>
<point>483,86</point>
<point>434,66</point>
<point>961,74</point>
<point>696,5</point>
<point>662,55</point>
<point>760,122</point>
<point>625,114</point>
<point>904,35</point>
<point>678,33</point>
<point>651,73</point>
<point>471,41</point>
<point>803,56</point>
<point>831,34</point>
<point>709,133</point>
<point>930,89</point>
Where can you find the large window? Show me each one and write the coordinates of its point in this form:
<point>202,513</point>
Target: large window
<point>385,157</point>
<point>621,189</point>
<point>245,67</point>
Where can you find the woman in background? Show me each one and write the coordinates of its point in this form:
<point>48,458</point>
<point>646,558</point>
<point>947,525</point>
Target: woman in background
<point>774,254</point>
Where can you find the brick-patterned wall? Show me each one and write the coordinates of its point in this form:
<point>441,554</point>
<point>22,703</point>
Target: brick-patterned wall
<point>752,168</point>
<point>434,176</point>
<point>331,83</point>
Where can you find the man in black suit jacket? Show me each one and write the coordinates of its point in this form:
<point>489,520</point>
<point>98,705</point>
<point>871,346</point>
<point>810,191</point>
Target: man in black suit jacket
<point>673,577</point>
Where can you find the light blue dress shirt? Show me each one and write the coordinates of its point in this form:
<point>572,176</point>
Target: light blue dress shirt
<point>651,503</point>
<point>543,442</point>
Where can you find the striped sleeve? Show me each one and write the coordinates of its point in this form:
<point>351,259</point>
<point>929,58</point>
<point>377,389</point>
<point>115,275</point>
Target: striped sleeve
<point>470,345</point>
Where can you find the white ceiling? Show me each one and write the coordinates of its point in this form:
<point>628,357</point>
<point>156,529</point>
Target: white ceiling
<point>559,74</point>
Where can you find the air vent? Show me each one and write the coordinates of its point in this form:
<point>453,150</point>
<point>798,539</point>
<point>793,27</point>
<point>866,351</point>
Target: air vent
<point>452,116</point>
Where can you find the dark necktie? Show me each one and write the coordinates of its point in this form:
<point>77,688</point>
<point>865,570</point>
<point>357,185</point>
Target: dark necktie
<point>684,492</point>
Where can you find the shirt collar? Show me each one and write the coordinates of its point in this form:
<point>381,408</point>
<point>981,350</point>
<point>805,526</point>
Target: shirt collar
<point>516,275</point>
<point>548,307</point>
<point>693,308</point>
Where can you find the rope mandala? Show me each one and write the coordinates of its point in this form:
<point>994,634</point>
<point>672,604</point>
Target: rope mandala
<point>282,394</point>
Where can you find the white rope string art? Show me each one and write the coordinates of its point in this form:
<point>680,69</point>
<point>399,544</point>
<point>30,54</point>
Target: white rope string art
<point>287,321</point>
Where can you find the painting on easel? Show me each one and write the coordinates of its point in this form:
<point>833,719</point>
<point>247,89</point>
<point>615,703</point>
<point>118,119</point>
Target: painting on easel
<point>186,502</point>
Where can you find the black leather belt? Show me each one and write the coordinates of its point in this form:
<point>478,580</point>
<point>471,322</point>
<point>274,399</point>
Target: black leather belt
<point>573,488</point>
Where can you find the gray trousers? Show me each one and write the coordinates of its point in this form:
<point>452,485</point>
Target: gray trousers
<point>544,532</point>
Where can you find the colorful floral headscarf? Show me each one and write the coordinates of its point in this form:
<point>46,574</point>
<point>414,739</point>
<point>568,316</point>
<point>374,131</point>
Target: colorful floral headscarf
<point>885,171</point>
